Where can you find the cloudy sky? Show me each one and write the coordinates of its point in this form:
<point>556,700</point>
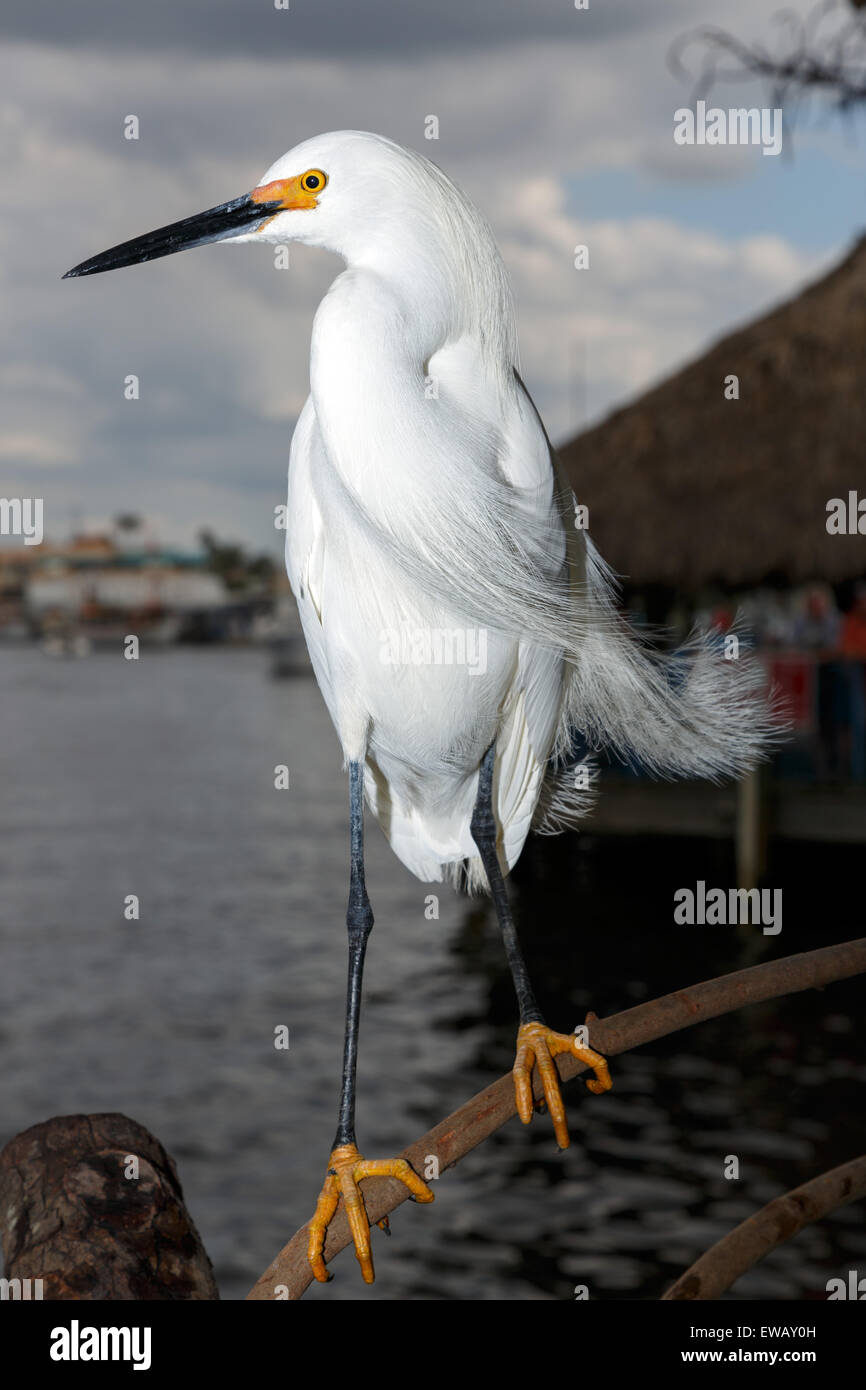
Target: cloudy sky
<point>558,122</point>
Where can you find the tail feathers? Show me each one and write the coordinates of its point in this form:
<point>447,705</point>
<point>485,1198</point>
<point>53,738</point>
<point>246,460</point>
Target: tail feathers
<point>698,713</point>
<point>568,796</point>
<point>466,876</point>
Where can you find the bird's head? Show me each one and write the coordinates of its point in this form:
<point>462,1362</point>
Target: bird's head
<point>336,191</point>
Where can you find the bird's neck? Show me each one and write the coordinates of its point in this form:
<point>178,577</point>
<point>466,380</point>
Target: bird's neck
<point>382,413</point>
<point>432,306</point>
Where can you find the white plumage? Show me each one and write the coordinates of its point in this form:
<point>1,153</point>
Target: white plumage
<point>423,498</point>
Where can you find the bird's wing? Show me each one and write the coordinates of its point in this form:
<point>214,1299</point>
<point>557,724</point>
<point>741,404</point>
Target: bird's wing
<point>456,500</point>
<point>305,546</point>
<point>534,703</point>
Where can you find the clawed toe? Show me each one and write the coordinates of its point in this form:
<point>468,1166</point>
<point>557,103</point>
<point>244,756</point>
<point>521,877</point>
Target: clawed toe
<point>346,1169</point>
<point>537,1045</point>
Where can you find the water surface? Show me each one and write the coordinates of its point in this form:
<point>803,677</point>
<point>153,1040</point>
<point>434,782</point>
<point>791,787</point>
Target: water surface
<point>156,778</point>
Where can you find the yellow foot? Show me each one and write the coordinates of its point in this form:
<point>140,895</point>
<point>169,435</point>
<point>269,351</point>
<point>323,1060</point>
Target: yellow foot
<point>346,1168</point>
<point>537,1043</point>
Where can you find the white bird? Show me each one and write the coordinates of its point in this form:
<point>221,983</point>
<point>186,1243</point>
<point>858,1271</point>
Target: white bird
<point>463,630</point>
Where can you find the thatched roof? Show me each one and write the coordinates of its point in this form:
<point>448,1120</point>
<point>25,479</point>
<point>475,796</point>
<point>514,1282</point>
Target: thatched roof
<point>685,487</point>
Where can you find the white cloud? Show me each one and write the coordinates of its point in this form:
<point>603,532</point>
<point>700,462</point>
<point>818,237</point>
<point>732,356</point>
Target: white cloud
<point>25,448</point>
<point>654,293</point>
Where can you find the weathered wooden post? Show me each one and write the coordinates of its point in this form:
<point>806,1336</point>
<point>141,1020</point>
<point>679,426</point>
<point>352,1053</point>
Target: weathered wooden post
<point>751,847</point>
<point>92,1206</point>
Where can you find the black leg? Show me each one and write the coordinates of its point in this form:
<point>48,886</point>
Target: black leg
<point>348,1168</point>
<point>359,922</point>
<point>483,827</point>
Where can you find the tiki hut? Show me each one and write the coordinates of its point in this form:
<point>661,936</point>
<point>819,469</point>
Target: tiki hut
<point>687,489</point>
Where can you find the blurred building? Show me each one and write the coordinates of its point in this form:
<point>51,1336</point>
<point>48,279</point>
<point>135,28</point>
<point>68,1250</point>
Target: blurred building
<point>735,487</point>
<point>693,496</point>
<point>92,587</point>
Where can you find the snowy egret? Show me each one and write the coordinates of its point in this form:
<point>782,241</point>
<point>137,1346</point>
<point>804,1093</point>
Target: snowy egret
<point>462,627</point>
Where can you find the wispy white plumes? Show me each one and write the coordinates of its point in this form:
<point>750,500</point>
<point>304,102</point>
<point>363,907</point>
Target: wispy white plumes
<point>692,713</point>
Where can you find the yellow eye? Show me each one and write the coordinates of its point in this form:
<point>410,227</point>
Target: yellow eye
<point>313,180</point>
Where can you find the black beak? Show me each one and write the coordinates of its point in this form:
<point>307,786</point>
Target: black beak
<point>213,225</point>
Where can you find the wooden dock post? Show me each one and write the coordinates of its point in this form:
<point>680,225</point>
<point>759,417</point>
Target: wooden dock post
<point>751,830</point>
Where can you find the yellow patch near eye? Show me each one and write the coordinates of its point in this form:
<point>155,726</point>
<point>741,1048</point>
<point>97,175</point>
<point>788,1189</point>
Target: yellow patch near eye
<point>292,194</point>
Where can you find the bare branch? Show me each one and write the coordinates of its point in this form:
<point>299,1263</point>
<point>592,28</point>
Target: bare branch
<point>778,1221</point>
<point>289,1274</point>
<point>824,52</point>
